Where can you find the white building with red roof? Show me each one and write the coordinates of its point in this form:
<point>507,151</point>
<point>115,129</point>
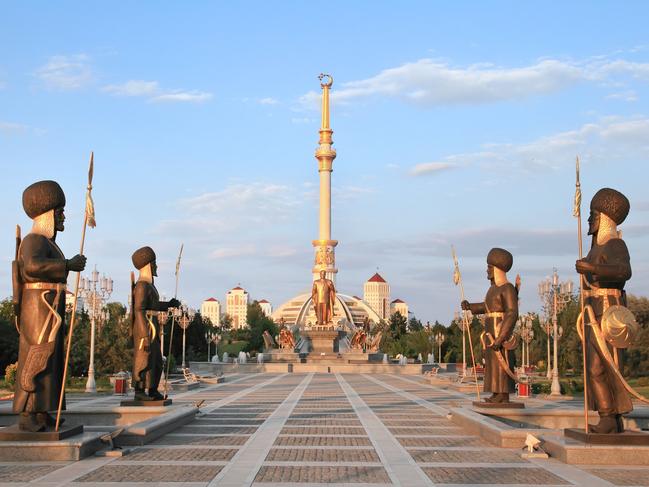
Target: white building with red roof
<point>236,306</point>
<point>376,293</point>
<point>399,306</point>
<point>266,307</point>
<point>211,308</point>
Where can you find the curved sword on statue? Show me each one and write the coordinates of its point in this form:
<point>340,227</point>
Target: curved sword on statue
<point>88,221</point>
<point>173,322</point>
<point>457,279</point>
<point>501,360</point>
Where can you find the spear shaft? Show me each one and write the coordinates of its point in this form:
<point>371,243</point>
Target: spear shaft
<point>173,320</point>
<point>467,326</point>
<point>76,296</point>
<point>584,339</point>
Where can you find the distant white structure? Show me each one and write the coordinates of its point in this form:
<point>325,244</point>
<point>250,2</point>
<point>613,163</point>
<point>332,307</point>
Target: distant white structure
<point>236,306</point>
<point>69,301</point>
<point>266,307</point>
<point>211,308</point>
<point>376,293</point>
<point>400,306</point>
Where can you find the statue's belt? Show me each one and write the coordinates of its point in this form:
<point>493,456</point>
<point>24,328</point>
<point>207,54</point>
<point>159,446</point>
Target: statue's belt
<point>495,314</point>
<point>46,286</point>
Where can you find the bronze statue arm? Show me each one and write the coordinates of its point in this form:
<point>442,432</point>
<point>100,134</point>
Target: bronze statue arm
<point>475,308</point>
<point>616,268</point>
<point>510,302</point>
<point>36,265</point>
<point>165,305</point>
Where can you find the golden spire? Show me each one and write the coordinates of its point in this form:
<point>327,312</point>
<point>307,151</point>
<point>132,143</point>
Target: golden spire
<point>325,153</point>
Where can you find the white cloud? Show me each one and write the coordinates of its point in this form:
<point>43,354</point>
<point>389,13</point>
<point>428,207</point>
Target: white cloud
<point>66,72</point>
<point>629,96</point>
<point>133,88</point>
<point>229,252</point>
<point>430,168</point>
<point>609,139</point>
<point>268,101</point>
<point>11,128</point>
<point>153,92</point>
<point>429,82</point>
<point>183,96</point>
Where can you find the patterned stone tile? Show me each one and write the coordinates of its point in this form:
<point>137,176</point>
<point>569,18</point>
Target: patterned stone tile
<point>440,441</point>
<point>476,475</point>
<point>459,456</point>
<point>314,430</point>
<point>426,431</point>
<point>622,476</point>
<point>323,422</point>
<point>152,473</point>
<point>329,474</point>
<point>180,454</point>
<point>25,472</point>
<point>232,421</point>
<point>322,415</point>
<point>322,441</point>
<point>202,440</point>
<point>217,430</point>
<point>331,456</point>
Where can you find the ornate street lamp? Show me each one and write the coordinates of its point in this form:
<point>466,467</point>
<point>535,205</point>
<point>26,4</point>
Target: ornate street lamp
<point>186,317</point>
<point>526,332</point>
<point>439,339</point>
<point>555,296</point>
<point>95,291</point>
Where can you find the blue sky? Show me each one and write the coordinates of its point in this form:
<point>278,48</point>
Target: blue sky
<point>454,124</point>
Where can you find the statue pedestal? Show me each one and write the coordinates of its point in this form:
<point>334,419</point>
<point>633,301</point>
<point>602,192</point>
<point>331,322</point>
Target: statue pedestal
<point>632,438</point>
<point>135,402</point>
<point>498,405</point>
<point>14,433</point>
<point>323,341</point>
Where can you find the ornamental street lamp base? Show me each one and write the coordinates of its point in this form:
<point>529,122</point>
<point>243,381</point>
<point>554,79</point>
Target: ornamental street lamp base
<point>91,386</point>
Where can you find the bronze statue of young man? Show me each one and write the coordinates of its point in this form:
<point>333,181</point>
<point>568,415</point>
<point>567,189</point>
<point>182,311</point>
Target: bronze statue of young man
<point>606,269</point>
<point>147,356</point>
<point>500,308</point>
<point>40,276</point>
<point>323,295</point>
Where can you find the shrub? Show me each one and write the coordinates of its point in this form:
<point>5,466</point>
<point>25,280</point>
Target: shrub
<point>10,374</point>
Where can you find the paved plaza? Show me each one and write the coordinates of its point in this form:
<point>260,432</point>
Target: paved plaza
<point>274,430</point>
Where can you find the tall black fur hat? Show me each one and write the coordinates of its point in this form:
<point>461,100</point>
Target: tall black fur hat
<point>612,203</point>
<point>500,258</point>
<point>42,197</point>
<point>142,257</point>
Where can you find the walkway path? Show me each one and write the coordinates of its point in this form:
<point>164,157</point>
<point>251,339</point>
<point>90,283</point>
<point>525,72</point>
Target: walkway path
<point>271,430</point>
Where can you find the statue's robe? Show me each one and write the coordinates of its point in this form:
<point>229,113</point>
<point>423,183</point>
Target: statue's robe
<point>41,261</point>
<point>606,393</point>
<point>500,308</point>
<point>147,356</point>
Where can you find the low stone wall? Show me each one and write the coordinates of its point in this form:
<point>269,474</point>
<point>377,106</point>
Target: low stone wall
<point>319,367</point>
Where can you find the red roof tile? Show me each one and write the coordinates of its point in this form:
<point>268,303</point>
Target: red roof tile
<point>376,278</point>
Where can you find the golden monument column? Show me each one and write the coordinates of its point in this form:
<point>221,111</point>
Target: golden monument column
<point>325,259</point>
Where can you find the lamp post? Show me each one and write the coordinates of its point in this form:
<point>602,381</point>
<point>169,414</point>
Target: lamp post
<point>187,315</point>
<point>555,296</point>
<point>95,291</point>
<point>439,339</point>
<point>527,335</point>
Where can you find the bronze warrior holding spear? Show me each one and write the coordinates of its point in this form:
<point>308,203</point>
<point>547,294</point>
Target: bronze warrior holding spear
<point>501,309</point>
<point>147,356</point>
<point>40,275</point>
<point>605,269</point>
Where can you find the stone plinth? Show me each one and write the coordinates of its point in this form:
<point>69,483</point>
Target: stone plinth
<point>323,341</point>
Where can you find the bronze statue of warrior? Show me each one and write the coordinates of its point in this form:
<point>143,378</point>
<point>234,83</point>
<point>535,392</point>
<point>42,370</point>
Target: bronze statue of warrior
<point>147,356</point>
<point>40,273</point>
<point>500,308</point>
<point>323,295</point>
<point>606,269</point>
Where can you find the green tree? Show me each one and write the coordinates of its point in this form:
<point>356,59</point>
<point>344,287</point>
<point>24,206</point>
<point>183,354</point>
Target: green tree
<point>114,343</point>
<point>258,322</point>
<point>414,324</point>
<point>8,334</point>
<point>398,325</point>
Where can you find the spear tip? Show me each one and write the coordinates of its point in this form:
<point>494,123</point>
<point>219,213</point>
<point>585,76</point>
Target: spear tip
<point>91,169</point>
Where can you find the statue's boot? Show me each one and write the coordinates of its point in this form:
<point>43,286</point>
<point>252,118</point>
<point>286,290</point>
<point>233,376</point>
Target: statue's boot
<point>607,425</point>
<point>47,420</point>
<point>502,397</point>
<point>140,395</point>
<point>28,422</point>
<point>154,395</point>
<point>620,423</point>
<point>492,398</point>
